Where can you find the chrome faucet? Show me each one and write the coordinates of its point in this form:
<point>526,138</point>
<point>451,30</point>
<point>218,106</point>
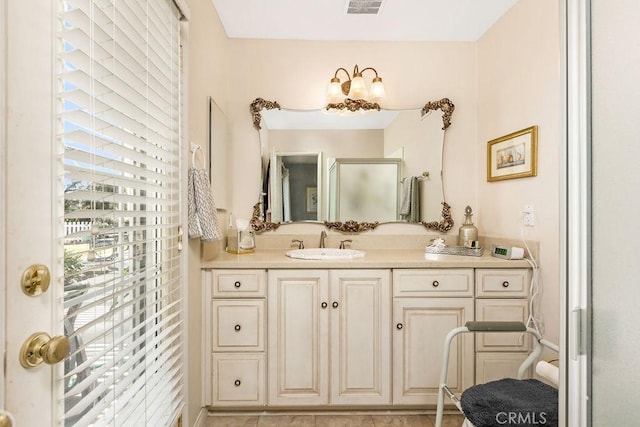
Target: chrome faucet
<point>323,235</point>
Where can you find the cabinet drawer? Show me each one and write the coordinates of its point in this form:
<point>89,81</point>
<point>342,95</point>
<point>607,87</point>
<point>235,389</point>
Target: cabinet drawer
<point>238,379</point>
<point>238,325</point>
<point>453,282</point>
<point>239,283</point>
<point>508,282</point>
<point>515,310</point>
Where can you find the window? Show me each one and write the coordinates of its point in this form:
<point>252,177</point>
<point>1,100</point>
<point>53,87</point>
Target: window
<point>119,114</point>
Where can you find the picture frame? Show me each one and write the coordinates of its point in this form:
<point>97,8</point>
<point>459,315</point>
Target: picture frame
<point>513,156</point>
<point>312,199</point>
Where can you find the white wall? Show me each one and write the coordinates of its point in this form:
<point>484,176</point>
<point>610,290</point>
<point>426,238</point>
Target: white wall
<point>207,70</point>
<point>520,85</point>
<point>334,143</point>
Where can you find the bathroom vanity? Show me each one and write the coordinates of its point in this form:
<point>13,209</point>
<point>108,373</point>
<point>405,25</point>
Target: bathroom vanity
<point>363,333</point>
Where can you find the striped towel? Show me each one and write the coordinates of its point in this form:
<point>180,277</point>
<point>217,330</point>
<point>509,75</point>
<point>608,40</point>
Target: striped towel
<point>202,213</point>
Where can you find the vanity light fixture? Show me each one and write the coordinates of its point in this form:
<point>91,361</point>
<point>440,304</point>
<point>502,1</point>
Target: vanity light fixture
<point>355,91</point>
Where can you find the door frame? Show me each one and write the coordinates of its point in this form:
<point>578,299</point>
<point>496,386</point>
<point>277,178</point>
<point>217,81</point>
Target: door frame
<point>29,204</point>
<point>575,205</point>
<point>3,196</point>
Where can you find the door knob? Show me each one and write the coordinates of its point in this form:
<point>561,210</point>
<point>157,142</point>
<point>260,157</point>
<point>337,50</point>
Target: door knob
<point>41,348</point>
<point>6,420</point>
<point>35,279</point>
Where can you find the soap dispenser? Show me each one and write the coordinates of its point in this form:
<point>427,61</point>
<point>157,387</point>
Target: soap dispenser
<point>468,233</point>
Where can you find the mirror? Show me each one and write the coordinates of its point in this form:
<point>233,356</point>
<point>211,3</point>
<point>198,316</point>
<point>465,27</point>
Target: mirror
<point>352,170</point>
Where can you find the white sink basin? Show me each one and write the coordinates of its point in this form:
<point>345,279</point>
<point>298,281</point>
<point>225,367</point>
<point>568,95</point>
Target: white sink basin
<point>325,253</point>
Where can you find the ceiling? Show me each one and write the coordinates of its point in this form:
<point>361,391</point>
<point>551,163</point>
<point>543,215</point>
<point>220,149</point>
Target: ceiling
<point>397,20</point>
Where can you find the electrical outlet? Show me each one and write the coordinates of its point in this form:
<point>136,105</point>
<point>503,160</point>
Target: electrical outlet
<point>529,215</point>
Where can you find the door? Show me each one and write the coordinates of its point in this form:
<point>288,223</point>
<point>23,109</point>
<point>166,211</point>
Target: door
<point>421,325</point>
<point>360,337</point>
<point>117,296</point>
<point>298,345</point>
<point>29,213</point>
<point>614,207</point>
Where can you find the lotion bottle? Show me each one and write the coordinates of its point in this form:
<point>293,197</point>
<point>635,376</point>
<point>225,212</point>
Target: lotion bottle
<point>468,232</point>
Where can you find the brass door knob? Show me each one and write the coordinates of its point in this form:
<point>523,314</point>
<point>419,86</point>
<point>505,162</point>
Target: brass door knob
<point>6,420</point>
<point>41,348</point>
<point>35,279</point>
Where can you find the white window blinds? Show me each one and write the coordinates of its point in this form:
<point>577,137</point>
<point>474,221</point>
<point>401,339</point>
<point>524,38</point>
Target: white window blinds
<point>119,110</point>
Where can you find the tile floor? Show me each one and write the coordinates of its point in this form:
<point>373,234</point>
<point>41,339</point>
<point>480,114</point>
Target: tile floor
<point>331,421</point>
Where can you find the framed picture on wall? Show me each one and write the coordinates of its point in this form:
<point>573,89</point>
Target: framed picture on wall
<point>513,156</point>
<point>312,199</point>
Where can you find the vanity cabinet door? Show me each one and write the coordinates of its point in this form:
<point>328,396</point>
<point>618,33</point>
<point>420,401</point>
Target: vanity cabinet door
<point>492,366</point>
<point>420,328</point>
<point>360,337</point>
<point>298,349</point>
<point>502,310</point>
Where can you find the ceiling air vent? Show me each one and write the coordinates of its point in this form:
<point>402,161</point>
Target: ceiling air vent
<point>363,7</point>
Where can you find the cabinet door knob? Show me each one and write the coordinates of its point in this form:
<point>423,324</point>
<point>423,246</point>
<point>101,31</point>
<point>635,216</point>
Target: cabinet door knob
<point>237,383</point>
<point>435,284</point>
<point>505,284</point>
<point>399,326</point>
<point>237,327</point>
<point>334,304</point>
<point>324,304</point>
<point>237,284</point>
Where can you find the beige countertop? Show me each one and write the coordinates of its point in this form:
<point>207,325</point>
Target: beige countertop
<point>374,258</point>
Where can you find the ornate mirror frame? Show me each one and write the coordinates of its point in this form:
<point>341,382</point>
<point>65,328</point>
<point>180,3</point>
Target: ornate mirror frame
<point>258,224</point>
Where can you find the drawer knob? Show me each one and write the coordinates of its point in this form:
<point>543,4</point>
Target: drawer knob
<point>435,284</point>
<point>237,327</point>
<point>324,304</point>
<point>334,304</point>
<point>505,284</point>
<point>237,383</point>
<point>399,326</point>
<point>237,284</point>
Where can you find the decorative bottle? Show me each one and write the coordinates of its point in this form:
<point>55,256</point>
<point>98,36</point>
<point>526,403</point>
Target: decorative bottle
<point>468,233</point>
<point>231,236</point>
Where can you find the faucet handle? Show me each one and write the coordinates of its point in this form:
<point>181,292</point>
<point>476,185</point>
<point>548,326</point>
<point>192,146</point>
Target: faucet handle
<point>342,243</point>
<point>299,242</point>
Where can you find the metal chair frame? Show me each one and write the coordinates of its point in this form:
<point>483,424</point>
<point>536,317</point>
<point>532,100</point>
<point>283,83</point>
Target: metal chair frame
<point>480,327</point>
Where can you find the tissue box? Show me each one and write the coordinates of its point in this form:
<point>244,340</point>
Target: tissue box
<point>241,242</point>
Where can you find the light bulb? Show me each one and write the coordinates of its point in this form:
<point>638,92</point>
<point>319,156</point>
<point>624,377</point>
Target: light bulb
<point>376,92</point>
<point>358,89</point>
<point>334,91</point>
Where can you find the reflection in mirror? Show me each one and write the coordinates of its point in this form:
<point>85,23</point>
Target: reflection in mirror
<point>217,139</point>
<point>350,153</point>
<point>294,185</point>
<point>364,189</point>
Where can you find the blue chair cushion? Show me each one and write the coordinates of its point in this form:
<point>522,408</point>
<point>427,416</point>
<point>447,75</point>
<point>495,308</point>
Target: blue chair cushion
<point>511,402</point>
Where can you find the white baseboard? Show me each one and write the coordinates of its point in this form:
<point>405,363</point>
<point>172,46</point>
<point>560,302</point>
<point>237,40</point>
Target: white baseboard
<point>201,419</point>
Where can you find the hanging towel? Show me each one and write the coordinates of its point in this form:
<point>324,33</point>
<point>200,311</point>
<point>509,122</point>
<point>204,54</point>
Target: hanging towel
<point>202,213</point>
<point>405,201</point>
<point>416,191</point>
